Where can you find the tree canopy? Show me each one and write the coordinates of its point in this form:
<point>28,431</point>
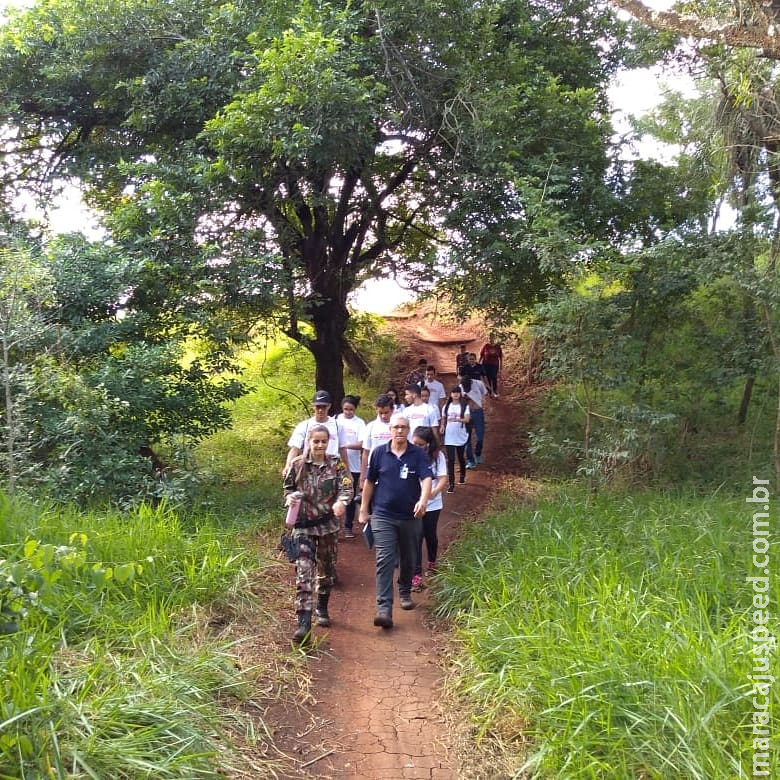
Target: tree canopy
<point>262,161</point>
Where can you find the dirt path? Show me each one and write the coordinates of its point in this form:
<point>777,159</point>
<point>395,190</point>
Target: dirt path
<point>376,708</point>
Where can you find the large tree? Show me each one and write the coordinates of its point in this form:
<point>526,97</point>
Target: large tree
<point>268,158</point>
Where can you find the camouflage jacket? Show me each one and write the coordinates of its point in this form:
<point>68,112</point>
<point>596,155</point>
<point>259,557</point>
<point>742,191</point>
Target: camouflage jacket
<point>321,485</point>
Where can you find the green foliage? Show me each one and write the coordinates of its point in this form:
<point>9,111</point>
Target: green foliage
<point>651,360</point>
<point>92,382</point>
<point>616,631</point>
<point>263,160</point>
<point>279,374</point>
<point>99,675</point>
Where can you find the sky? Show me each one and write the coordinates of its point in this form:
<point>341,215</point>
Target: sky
<point>633,93</point>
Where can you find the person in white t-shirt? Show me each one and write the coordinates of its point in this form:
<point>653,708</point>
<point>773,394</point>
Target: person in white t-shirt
<point>376,432</point>
<point>438,393</point>
<point>456,416</point>
<point>418,413</point>
<point>351,428</point>
<point>298,441</point>
<point>475,391</point>
<point>425,395</point>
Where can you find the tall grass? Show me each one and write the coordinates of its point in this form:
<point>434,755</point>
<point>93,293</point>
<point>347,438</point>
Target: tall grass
<point>98,674</point>
<point>613,632</point>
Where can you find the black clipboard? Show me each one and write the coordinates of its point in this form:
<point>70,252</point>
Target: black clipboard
<point>368,535</point>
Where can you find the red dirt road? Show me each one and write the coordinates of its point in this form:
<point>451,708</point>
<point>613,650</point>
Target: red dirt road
<point>378,710</point>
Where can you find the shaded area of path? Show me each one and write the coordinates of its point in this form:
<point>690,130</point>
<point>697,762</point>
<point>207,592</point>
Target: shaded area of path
<point>376,706</point>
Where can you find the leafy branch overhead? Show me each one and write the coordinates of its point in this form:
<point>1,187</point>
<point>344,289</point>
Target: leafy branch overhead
<point>752,24</point>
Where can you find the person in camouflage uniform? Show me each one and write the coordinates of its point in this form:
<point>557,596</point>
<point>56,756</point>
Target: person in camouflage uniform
<point>325,483</point>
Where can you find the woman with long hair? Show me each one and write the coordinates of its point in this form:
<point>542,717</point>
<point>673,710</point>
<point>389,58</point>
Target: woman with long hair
<point>393,393</point>
<point>455,418</point>
<point>322,485</point>
<point>425,438</point>
<point>351,427</point>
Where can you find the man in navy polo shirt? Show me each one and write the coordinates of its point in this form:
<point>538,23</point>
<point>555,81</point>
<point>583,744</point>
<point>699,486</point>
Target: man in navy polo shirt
<point>397,488</point>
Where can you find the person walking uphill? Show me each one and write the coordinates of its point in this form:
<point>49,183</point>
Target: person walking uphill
<point>397,488</point>
<point>325,485</point>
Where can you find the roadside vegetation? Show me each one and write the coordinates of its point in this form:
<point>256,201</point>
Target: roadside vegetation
<point>607,636</point>
<point>107,668</point>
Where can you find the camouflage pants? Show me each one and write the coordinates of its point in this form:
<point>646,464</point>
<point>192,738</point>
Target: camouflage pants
<point>316,565</point>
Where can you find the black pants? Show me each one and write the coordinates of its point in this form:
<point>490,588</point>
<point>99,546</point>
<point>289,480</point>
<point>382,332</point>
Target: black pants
<point>491,374</point>
<point>429,533</point>
<point>349,519</point>
<point>460,451</point>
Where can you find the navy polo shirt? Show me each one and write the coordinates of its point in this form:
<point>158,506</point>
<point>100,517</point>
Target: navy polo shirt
<point>397,480</point>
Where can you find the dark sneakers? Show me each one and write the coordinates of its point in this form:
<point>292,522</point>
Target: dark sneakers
<point>406,602</point>
<point>383,619</point>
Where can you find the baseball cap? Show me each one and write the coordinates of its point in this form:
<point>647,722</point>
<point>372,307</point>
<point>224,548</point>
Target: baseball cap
<point>321,397</point>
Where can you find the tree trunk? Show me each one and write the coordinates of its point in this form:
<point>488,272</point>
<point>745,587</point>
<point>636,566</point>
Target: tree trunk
<point>749,327</point>
<point>329,318</point>
<point>747,394</point>
<point>9,417</point>
<point>356,363</point>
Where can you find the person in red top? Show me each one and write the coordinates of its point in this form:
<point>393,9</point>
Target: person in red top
<point>491,358</point>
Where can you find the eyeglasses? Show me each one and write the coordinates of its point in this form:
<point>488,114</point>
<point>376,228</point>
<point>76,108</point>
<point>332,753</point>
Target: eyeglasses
<point>399,427</point>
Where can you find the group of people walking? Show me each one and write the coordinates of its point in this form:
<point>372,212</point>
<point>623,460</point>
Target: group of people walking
<point>395,468</point>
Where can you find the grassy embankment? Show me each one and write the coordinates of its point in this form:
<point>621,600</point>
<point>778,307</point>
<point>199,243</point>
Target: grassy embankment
<point>610,637</point>
<point>106,665</point>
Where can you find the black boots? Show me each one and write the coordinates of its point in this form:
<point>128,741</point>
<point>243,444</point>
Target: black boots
<point>304,626</point>
<point>304,619</point>
<point>323,618</point>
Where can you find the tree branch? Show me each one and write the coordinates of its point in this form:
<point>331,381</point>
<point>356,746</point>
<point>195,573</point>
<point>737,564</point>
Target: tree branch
<point>738,33</point>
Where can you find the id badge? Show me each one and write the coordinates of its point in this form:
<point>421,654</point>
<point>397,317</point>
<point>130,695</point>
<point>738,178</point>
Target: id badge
<point>404,471</point>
